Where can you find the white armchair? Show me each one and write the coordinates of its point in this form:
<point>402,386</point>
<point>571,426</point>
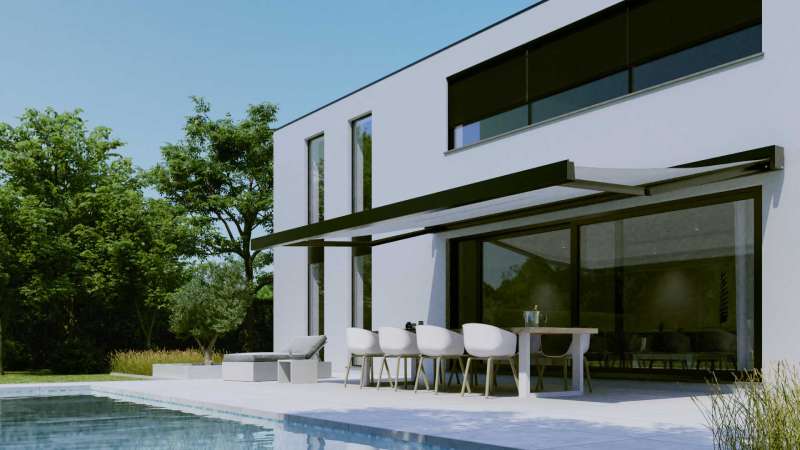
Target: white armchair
<point>439,344</point>
<point>361,343</point>
<point>396,343</point>
<point>492,344</point>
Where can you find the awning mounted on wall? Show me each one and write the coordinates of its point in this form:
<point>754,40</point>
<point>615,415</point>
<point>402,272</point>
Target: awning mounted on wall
<point>541,189</point>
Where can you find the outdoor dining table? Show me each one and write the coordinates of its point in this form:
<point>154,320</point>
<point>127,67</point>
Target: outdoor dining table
<point>581,334</point>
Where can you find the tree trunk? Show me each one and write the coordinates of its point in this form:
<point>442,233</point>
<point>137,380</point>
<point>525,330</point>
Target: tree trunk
<point>146,329</point>
<point>250,341</point>
<point>207,350</point>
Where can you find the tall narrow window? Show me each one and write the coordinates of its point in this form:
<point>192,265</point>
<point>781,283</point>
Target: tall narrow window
<point>362,164</point>
<point>316,179</point>
<point>362,200</point>
<point>316,291</point>
<point>362,287</point>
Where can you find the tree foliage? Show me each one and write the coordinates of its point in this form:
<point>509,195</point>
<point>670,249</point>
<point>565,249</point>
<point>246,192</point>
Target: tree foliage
<point>81,248</point>
<point>222,170</point>
<point>212,303</point>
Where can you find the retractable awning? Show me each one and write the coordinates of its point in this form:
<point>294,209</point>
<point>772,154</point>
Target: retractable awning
<point>546,188</point>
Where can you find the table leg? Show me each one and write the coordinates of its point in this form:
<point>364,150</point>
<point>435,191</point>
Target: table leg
<point>524,386</point>
<point>577,361</point>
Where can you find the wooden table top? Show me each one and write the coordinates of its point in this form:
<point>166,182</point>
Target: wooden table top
<point>554,330</point>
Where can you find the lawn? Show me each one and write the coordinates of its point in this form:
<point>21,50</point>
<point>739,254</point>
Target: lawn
<point>47,377</point>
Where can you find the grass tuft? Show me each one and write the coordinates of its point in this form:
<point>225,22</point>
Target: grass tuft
<point>141,362</point>
<point>759,411</point>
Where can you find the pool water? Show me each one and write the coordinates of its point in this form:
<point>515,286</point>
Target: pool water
<point>90,422</point>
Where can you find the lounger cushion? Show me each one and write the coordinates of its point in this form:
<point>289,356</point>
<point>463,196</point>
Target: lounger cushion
<point>305,347</point>
<point>256,357</point>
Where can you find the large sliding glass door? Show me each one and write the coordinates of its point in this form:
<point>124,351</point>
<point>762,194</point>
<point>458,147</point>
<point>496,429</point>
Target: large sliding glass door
<point>526,270</point>
<point>671,290</point>
<point>671,286</point>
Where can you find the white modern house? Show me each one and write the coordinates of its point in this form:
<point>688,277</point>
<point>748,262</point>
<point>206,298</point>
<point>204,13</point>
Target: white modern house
<point>624,165</point>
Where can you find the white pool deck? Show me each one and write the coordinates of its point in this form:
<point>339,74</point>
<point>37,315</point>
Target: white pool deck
<point>618,415</point>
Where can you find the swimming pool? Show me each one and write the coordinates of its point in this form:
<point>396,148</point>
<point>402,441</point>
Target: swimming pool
<point>92,422</point>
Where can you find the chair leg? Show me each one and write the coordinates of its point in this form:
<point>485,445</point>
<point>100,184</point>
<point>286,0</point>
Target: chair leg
<point>425,378</point>
<point>465,384</point>
<point>371,371</point>
<point>463,374</point>
<point>419,372</point>
<point>566,383</point>
<point>587,373</point>
<point>397,373</point>
<point>514,372</point>
<point>380,372</point>
<point>436,369</point>
<point>452,373</point>
<point>363,381</point>
<point>347,369</point>
<point>488,376</point>
<point>405,373</point>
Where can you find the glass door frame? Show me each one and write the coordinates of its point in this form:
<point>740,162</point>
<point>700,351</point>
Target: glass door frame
<point>574,224</point>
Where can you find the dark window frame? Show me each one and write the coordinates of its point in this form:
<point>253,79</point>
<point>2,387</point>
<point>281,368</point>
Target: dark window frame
<point>754,193</point>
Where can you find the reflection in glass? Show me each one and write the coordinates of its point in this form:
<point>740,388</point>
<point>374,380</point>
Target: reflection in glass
<point>580,97</point>
<point>316,179</point>
<point>711,54</point>
<point>362,164</point>
<point>671,290</point>
<point>362,287</point>
<point>491,126</point>
<point>524,270</point>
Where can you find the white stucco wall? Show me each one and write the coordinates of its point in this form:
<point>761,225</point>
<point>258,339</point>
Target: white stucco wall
<point>744,106</point>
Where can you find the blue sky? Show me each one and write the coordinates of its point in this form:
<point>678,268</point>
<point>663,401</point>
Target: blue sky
<point>132,65</point>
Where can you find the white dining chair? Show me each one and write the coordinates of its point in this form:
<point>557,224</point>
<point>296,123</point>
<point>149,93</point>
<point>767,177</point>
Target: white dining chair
<point>542,359</point>
<point>440,345</point>
<point>396,343</point>
<point>492,344</point>
<point>364,344</point>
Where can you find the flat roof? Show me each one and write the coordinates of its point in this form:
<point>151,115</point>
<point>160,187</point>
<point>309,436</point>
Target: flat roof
<point>430,55</point>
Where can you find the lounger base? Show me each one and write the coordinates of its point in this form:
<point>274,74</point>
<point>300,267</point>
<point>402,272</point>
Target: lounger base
<point>250,371</point>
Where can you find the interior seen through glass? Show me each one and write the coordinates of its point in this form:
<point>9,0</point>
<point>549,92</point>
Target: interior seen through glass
<point>672,290</point>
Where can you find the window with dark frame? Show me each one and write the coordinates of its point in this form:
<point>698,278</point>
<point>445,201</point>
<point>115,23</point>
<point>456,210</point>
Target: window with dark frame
<point>670,286</point>
<point>628,47</point>
<point>361,132</point>
<point>316,179</point>
<point>316,291</point>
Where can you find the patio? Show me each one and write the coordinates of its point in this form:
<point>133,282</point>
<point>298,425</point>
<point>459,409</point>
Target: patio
<point>619,414</point>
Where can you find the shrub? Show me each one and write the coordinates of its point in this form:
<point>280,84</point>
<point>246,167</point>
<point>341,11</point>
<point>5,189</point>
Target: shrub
<point>141,362</point>
<point>755,414</point>
<point>78,356</point>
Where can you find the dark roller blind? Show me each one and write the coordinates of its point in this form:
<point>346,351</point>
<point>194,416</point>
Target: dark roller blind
<point>660,27</point>
<point>588,50</point>
<point>488,89</point>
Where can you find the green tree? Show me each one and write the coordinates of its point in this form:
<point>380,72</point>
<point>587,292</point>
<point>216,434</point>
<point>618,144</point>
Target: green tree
<point>213,302</point>
<point>222,170</point>
<point>88,250</point>
<point>7,263</point>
